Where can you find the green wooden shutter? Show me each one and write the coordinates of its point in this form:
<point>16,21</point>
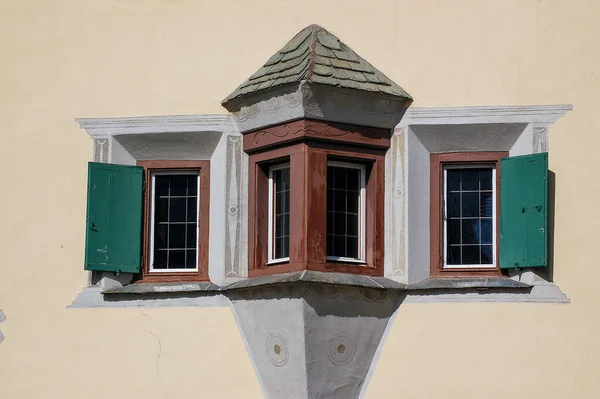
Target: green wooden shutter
<point>114,218</point>
<point>524,211</point>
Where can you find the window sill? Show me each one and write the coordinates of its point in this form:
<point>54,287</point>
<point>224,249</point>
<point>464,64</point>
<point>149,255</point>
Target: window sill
<point>458,283</point>
<point>207,294</point>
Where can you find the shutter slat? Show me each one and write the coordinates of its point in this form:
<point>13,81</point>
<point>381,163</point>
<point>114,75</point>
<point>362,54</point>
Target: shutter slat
<point>114,218</point>
<point>523,211</point>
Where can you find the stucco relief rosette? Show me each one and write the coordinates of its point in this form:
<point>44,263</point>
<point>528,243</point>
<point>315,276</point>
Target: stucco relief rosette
<point>277,349</point>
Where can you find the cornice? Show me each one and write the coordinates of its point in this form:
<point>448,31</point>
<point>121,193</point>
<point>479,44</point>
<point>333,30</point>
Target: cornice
<point>545,114</point>
<point>103,127</point>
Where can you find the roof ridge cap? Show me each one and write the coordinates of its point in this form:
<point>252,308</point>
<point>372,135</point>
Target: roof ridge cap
<point>311,50</point>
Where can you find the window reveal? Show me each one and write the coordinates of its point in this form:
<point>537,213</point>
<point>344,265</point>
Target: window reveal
<point>345,211</point>
<point>469,216</point>
<point>174,229</point>
<point>279,213</point>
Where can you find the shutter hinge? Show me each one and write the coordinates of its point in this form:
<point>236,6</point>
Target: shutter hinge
<point>144,187</point>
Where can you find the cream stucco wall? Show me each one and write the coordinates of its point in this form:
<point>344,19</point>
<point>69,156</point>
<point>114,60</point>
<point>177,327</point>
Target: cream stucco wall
<point>66,59</point>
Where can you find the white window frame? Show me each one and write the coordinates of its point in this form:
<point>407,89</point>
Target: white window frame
<point>152,222</point>
<point>361,209</point>
<point>445,168</point>
<point>272,207</point>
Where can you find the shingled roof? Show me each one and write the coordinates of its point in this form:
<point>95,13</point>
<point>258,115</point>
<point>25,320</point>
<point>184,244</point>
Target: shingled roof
<point>317,56</point>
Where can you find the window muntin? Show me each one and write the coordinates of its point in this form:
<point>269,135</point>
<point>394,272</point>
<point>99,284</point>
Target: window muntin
<point>279,213</point>
<point>175,204</point>
<point>469,216</point>
<point>345,211</point>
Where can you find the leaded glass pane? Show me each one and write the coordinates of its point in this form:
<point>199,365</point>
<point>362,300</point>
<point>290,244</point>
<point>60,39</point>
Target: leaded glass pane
<point>175,221</point>
<point>469,216</point>
<point>343,212</point>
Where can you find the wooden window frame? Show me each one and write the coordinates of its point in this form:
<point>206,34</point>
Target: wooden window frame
<point>437,164</point>
<point>203,169</point>
<point>308,223</point>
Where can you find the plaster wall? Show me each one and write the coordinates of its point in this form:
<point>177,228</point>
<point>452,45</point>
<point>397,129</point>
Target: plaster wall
<point>68,59</point>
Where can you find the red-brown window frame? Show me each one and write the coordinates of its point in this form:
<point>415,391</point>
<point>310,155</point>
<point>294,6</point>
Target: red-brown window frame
<point>308,219</point>
<point>437,163</point>
<point>203,167</point>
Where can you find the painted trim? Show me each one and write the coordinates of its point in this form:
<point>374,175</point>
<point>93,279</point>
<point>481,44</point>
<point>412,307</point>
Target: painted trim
<point>103,127</point>
<point>490,114</point>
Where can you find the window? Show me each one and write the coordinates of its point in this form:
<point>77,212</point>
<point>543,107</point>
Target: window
<point>345,211</point>
<point>150,220</point>
<point>279,213</point>
<point>469,216</point>
<point>174,221</point>
<point>464,213</point>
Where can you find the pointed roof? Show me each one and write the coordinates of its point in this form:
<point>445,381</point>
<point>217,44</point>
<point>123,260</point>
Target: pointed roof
<point>317,56</point>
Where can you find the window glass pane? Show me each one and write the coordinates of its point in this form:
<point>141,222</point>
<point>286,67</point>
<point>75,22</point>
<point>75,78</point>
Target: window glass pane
<point>353,182</point>
<point>160,259</point>
<point>175,221</point>
<point>454,255</point>
<point>161,235</point>
<point>487,226</point>
<point>470,255</point>
<point>453,205</point>
<point>470,180</point>
<point>486,255</point>
<point>176,259</point>
<point>161,210</point>
<point>485,176</point>
<point>470,231</point>
<point>178,185</point>
<point>352,224</point>
<point>339,178</point>
<point>177,236</point>
<point>454,231</point>
<point>486,204</point>
<point>177,209</point>
<point>191,233</point>
<point>192,204</point>
<point>352,203</point>
<point>453,179</point>
<point>192,185</point>
<point>351,248</point>
<point>343,211</point>
<point>190,259</point>
<point>161,185</point>
<point>339,224</point>
<point>470,204</point>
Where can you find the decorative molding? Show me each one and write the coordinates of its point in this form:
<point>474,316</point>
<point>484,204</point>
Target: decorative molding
<point>319,290</point>
<point>540,139</point>
<point>341,349</point>
<point>493,114</point>
<point>233,194</point>
<point>103,127</point>
<point>303,128</point>
<point>395,206</point>
<point>101,149</point>
<point>2,318</point>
